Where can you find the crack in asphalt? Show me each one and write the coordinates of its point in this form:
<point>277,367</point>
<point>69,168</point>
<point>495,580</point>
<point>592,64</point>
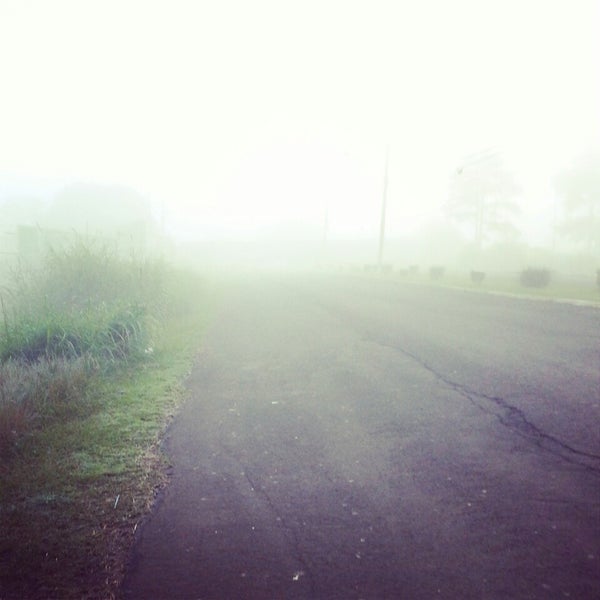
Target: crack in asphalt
<point>510,416</point>
<point>293,536</point>
<point>289,531</point>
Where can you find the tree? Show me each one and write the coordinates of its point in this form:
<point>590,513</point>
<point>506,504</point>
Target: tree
<point>481,195</point>
<point>579,187</point>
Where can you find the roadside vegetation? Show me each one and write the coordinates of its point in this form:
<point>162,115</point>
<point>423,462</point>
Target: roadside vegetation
<point>94,350</point>
<point>529,283</point>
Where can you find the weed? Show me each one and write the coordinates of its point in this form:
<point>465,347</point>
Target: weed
<point>436,272</point>
<point>538,278</point>
<point>477,276</point>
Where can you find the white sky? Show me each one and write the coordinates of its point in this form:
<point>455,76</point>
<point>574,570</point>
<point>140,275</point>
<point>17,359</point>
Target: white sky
<point>240,114</point>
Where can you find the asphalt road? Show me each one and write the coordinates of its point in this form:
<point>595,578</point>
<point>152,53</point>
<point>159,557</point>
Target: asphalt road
<point>366,438</point>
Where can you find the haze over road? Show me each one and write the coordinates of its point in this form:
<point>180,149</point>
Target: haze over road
<point>356,437</point>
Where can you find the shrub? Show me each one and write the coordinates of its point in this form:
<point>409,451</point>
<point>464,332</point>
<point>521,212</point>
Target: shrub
<point>436,272</point>
<point>477,276</point>
<point>538,278</point>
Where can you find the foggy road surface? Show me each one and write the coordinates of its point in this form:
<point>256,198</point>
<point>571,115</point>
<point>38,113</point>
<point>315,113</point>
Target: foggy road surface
<point>366,438</point>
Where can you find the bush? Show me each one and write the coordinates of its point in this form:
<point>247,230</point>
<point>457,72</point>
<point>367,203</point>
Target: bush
<point>436,272</point>
<point>477,276</point>
<point>537,278</point>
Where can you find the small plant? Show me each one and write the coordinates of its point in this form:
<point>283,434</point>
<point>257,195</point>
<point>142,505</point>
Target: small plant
<point>436,272</point>
<point>477,276</point>
<point>537,278</point>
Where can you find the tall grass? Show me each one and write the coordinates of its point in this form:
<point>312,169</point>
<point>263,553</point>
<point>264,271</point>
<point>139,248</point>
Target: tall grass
<point>83,405</point>
<point>31,395</point>
<point>80,312</point>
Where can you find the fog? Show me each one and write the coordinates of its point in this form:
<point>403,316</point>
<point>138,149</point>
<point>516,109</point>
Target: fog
<point>257,132</point>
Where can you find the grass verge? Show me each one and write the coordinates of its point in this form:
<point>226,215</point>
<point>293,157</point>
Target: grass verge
<point>505,284</point>
<point>76,484</point>
<point>501,283</point>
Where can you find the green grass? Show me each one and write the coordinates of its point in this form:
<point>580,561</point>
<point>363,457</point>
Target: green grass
<point>82,301</point>
<point>80,465</point>
<point>557,289</point>
<point>65,535</point>
<point>81,312</point>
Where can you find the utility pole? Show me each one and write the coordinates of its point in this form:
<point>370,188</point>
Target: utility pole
<point>383,209</point>
<point>325,234</point>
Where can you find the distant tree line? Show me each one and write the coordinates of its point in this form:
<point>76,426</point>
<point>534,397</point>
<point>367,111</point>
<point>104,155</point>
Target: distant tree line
<point>482,197</point>
<point>579,187</point>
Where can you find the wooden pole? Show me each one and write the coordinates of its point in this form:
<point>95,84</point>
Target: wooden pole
<point>383,210</point>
